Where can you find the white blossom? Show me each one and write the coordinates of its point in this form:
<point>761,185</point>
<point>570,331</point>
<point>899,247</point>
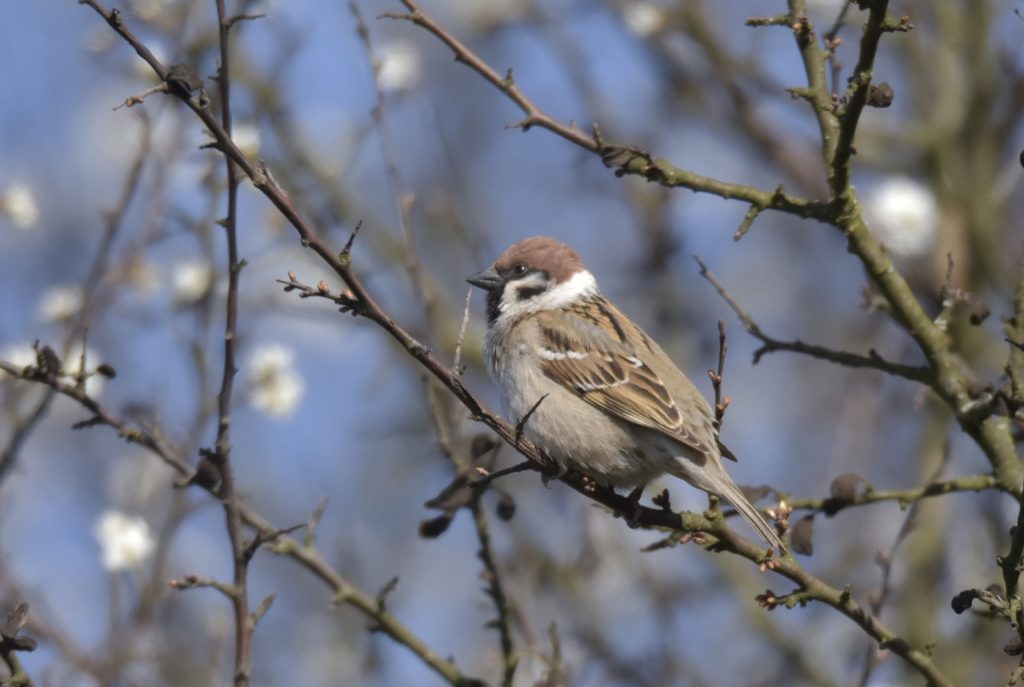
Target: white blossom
<point>277,387</point>
<point>19,204</point>
<point>125,541</point>
<point>398,66</point>
<point>643,18</point>
<point>149,10</point>
<point>99,39</point>
<point>142,68</point>
<point>247,137</point>
<point>486,15</point>
<point>20,355</point>
<point>903,214</point>
<point>59,303</point>
<point>72,367</point>
<point>191,280</point>
<point>144,277</point>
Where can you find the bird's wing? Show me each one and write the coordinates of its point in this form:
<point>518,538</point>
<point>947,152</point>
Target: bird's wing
<point>602,357</point>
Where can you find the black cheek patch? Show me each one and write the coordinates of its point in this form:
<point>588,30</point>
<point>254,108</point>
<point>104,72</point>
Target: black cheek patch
<point>493,303</point>
<point>529,292</point>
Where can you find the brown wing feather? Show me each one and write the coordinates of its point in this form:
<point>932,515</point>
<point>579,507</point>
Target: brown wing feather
<point>589,353</point>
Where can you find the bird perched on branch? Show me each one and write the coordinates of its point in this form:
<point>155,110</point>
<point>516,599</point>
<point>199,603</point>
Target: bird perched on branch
<point>601,396</point>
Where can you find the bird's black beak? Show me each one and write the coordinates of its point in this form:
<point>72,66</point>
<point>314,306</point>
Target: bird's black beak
<point>488,280</point>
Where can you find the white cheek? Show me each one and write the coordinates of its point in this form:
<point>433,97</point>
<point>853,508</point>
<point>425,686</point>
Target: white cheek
<point>510,297</point>
<point>580,285</point>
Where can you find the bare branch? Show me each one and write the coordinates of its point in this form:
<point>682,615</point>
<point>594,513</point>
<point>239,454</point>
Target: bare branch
<point>488,477</point>
<point>624,159</point>
<point>221,455</point>
<point>306,556</point>
<point>873,360</point>
<point>457,362</point>
<point>905,497</point>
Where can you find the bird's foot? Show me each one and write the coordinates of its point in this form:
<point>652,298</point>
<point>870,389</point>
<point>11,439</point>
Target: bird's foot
<point>554,471</point>
<point>633,508</point>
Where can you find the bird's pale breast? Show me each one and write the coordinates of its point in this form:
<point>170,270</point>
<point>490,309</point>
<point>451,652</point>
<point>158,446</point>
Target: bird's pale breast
<point>571,431</point>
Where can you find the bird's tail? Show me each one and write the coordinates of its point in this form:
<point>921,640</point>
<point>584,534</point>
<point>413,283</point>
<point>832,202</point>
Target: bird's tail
<point>721,485</point>
<point>731,493</point>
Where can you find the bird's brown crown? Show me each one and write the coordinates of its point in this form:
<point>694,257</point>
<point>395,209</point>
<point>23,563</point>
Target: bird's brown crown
<point>541,253</point>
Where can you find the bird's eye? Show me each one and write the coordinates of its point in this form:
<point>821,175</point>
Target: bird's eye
<point>519,269</point>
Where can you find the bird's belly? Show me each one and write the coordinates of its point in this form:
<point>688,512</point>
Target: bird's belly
<point>581,437</point>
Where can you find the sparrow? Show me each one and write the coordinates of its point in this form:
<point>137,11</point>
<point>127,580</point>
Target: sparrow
<point>600,396</point>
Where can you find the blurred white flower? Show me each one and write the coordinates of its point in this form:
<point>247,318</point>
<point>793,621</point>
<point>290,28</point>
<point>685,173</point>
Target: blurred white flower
<point>826,5</point>
<point>487,15</point>
<point>72,366</point>
<point>20,355</point>
<point>60,303</point>
<point>125,541</point>
<point>247,137</point>
<point>99,39</point>
<point>276,387</point>
<point>191,280</point>
<point>144,277</point>
<point>142,68</point>
<point>398,66</point>
<point>903,214</point>
<point>19,204</point>
<point>149,10</point>
<point>643,18</point>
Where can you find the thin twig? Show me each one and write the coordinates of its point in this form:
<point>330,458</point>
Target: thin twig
<point>856,96</point>
<point>457,362</point>
<point>113,222</point>
<point>403,199</point>
<point>221,454</point>
<point>521,424</point>
<point>306,555</point>
<point>495,590</point>
<point>769,344</point>
<point>872,656</point>
<point>832,43</point>
<point>1011,565</point>
<point>487,477</point>
<point>442,417</point>
<point>624,159</point>
<point>721,402</point>
<point>831,505</point>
